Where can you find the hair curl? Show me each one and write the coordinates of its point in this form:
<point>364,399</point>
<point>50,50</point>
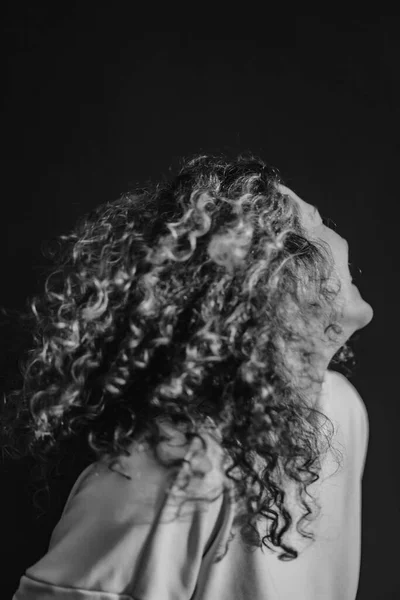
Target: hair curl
<point>185,299</point>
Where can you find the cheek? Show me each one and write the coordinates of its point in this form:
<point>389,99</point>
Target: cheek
<point>341,260</point>
<point>344,273</point>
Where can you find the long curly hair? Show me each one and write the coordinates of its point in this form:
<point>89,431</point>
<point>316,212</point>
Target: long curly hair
<point>197,299</point>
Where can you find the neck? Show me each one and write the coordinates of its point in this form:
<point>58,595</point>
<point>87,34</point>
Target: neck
<point>309,373</point>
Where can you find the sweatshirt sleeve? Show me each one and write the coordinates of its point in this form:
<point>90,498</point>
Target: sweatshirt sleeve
<point>121,538</point>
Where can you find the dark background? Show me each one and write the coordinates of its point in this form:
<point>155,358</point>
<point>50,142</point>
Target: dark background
<point>95,104</point>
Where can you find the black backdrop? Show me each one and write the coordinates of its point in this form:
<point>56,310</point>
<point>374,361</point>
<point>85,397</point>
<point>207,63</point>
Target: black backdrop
<point>94,104</point>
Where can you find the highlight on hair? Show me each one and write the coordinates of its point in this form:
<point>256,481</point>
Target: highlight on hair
<point>187,299</point>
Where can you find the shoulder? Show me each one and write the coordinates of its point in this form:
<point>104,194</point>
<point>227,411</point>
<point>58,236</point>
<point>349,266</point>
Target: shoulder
<point>130,518</point>
<point>340,382</point>
<point>140,484</point>
<point>342,390</point>
<point>347,402</point>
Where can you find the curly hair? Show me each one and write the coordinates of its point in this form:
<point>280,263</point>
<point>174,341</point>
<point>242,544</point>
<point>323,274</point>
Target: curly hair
<point>186,299</point>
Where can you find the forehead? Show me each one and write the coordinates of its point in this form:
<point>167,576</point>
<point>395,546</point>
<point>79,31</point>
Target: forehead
<point>307,211</point>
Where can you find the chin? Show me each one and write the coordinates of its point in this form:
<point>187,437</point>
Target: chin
<point>358,316</point>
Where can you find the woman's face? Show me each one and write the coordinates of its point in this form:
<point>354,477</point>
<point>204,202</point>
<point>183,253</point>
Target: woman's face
<point>356,313</point>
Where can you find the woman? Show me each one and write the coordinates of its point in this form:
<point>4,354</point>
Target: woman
<point>186,335</point>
